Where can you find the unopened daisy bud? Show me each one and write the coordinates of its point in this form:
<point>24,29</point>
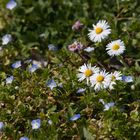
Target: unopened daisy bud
<point>77,26</point>
<point>133,87</point>
<point>100,31</point>
<point>76,46</point>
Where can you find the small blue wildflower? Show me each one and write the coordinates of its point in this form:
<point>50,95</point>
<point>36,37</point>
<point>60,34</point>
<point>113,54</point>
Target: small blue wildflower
<point>60,85</point>
<point>11,5</point>
<point>51,84</point>
<point>50,122</point>
<point>24,138</point>
<point>17,64</point>
<point>36,124</point>
<point>52,47</point>
<point>108,105</point>
<point>89,49</point>
<point>33,68</point>
<point>9,79</point>
<point>127,79</point>
<point>6,39</point>
<point>1,125</point>
<point>75,117</point>
<point>81,90</point>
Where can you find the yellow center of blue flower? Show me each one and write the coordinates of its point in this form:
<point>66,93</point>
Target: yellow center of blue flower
<point>98,30</point>
<point>99,78</point>
<point>88,72</point>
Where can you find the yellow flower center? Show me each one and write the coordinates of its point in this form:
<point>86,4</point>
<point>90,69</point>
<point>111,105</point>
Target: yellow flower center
<point>116,47</point>
<point>88,72</point>
<point>98,30</point>
<point>99,78</point>
<point>113,77</point>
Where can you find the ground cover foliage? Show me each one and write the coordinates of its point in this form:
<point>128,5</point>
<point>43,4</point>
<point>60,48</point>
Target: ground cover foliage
<point>43,97</point>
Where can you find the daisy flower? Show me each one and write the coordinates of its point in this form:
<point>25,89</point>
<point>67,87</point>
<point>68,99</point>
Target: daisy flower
<point>115,48</point>
<point>86,71</point>
<point>100,31</point>
<point>114,76</point>
<point>100,80</point>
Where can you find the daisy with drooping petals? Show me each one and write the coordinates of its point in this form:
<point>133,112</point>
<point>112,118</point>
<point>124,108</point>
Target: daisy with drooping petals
<point>116,75</point>
<point>86,71</point>
<point>100,80</point>
<point>115,48</point>
<point>100,31</point>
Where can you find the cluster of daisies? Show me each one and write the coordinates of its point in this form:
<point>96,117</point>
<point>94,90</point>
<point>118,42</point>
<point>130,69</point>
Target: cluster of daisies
<point>101,31</point>
<point>100,79</point>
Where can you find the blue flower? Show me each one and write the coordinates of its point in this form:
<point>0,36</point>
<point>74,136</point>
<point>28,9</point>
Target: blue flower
<point>9,80</point>
<point>52,47</point>
<point>33,68</point>
<point>24,138</point>
<point>1,125</point>
<point>51,84</point>
<point>17,64</point>
<point>81,90</point>
<point>6,39</point>
<point>75,117</point>
<point>36,124</point>
<point>127,79</point>
<point>11,5</point>
<point>108,105</point>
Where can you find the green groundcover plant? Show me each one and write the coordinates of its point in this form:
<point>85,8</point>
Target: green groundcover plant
<point>69,70</point>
